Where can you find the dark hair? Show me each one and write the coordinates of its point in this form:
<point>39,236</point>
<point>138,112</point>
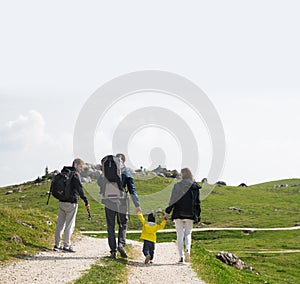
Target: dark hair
<point>151,217</point>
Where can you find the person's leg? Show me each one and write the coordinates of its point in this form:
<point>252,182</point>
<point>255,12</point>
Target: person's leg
<point>60,225</point>
<point>146,248</point>
<point>151,250</point>
<point>180,236</point>
<point>122,222</point>
<point>188,234</point>
<point>71,211</point>
<point>146,251</point>
<point>110,221</point>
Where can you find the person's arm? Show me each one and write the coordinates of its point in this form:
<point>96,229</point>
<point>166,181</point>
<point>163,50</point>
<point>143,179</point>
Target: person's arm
<point>197,207</point>
<point>171,202</point>
<point>79,190</point>
<point>141,217</point>
<point>129,183</point>
<point>161,225</point>
<point>100,182</point>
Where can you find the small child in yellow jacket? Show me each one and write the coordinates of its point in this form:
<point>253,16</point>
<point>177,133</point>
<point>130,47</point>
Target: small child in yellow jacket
<point>149,234</point>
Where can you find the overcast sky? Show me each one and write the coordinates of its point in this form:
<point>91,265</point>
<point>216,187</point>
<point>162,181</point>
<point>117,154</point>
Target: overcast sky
<point>243,54</point>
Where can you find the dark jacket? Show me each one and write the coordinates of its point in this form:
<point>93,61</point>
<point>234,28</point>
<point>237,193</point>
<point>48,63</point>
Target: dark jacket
<point>76,188</point>
<point>127,183</point>
<point>185,201</point>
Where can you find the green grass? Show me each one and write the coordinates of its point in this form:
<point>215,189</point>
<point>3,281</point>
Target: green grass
<point>261,205</point>
<point>252,249</point>
<point>24,232</point>
<point>107,271</point>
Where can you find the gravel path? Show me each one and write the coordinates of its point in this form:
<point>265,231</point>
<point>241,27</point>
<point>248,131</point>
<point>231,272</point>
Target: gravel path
<point>164,269</point>
<point>61,267</point>
<point>55,267</point>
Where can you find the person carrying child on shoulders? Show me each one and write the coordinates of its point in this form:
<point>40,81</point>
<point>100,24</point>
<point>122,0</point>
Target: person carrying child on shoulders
<point>149,234</point>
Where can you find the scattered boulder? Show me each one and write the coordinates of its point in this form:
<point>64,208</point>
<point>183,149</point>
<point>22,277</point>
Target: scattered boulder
<point>249,232</point>
<point>221,183</point>
<point>86,179</point>
<point>243,185</point>
<point>24,224</point>
<point>16,239</point>
<point>280,185</point>
<point>204,180</point>
<point>238,210</point>
<point>232,260</point>
<point>9,192</point>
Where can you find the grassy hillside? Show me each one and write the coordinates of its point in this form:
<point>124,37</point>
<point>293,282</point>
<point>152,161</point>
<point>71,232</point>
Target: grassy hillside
<point>24,231</point>
<point>27,224</point>
<point>261,205</point>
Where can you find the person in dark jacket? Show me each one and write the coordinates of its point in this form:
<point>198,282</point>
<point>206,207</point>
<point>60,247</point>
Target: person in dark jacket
<point>67,209</point>
<point>112,211</point>
<point>185,204</point>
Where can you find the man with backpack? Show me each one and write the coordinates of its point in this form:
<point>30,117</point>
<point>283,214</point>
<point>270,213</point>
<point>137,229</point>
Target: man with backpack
<point>68,203</point>
<point>115,183</point>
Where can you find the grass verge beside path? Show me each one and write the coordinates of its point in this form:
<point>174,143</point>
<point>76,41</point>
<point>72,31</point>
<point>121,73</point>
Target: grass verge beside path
<point>24,232</point>
<point>272,268</point>
<point>107,271</point>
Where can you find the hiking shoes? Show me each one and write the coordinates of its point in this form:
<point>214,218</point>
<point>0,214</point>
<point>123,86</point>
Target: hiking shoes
<point>112,255</point>
<point>57,248</point>
<point>147,259</point>
<point>122,252</point>
<point>180,260</point>
<point>68,249</point>
<point>187,257</point>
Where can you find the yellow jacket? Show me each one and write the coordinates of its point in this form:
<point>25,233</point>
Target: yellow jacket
<point>149,228</point>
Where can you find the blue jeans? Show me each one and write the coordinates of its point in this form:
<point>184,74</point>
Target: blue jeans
<point>148,249</point>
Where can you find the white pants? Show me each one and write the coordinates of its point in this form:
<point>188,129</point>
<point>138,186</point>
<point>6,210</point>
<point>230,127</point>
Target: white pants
<point>184,231</point>
<point>65,222</point>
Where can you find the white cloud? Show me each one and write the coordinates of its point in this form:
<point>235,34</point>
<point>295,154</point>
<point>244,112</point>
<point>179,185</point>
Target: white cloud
<point>26,148</point>
<point>24,132</point>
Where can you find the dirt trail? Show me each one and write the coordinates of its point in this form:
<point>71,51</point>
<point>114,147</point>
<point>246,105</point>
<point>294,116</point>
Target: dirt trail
<point>61,267</point>
<point>55,267</point>
<point>164,269</point>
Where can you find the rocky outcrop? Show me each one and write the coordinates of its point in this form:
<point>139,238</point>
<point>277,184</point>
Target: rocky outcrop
<point>280,185</point>
<point>232,260</point>
<point>164,172</point>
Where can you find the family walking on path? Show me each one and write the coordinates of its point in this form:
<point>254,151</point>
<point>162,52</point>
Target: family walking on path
<point>116,182</point>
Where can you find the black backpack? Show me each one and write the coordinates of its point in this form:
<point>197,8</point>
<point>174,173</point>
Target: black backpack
<point>61,185</point>
<point>113,188</point>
